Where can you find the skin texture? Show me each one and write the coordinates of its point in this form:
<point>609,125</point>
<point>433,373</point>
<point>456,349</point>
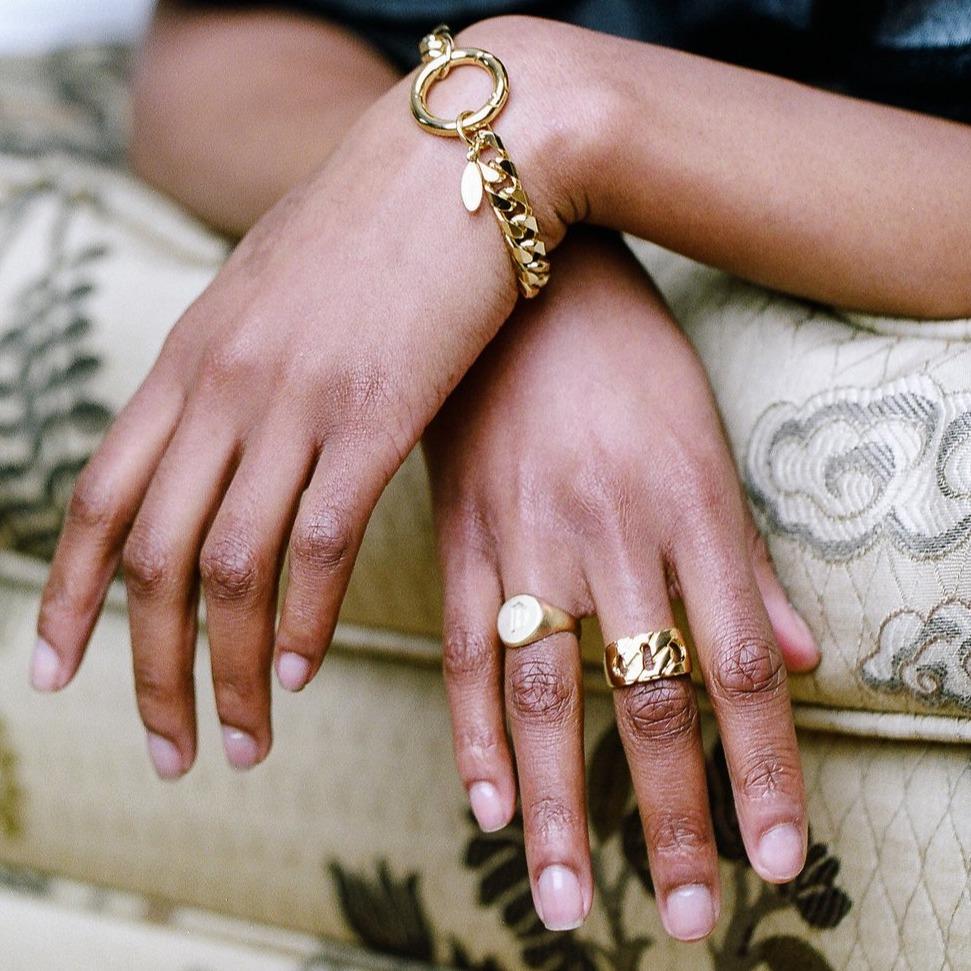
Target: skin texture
<point>290,392</point>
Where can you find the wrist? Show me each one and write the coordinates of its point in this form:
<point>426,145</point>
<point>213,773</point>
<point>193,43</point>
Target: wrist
<point>550,121</point>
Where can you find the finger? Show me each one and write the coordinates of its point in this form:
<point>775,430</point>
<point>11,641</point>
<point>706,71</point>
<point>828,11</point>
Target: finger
<point>103,505</point>
<point>161,575</point>
<point>660,728</point>
<point>326,536</point>
<point>240,566</point>
<point>792,634</point>
<point>473,665</point>
<point>544,699</point>
<point>746,681</point>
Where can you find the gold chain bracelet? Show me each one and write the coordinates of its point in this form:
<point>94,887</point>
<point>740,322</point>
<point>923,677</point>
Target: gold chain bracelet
<point>489,170</point>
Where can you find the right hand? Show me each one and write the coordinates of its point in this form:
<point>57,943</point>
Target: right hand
<point>582,460</point>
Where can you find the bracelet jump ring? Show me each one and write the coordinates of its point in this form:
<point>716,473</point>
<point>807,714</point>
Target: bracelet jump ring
<point>436,68</point>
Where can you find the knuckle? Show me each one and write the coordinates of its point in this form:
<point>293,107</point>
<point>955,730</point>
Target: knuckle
<point>548,818</point>
<point>92,505</point>
<point>322,543</point>
<point>661,710</point>
<point>674,834</point>
<point>148,563</point>
<point>364,389</point>
<point>478,744</point>
<point>228,363</point>
<point>231,569</point>
<point>363,408</point>
<point>747,667</point>
<point>599,499</point>
<point>539,691</point>
<point>769,774</point>
<point>466,653</point>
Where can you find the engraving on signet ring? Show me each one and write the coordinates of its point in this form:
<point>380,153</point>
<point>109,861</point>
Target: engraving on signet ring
<point>525,619</point>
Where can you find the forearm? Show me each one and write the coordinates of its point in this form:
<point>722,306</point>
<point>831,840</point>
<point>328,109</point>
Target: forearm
<point>821,196</point>
<point>232,109</point>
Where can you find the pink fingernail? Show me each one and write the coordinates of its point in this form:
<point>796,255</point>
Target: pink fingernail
<point>293,671</point>
<point>45,667</point>
<point>781,854</point>
<point>689,912</point>
<point>241,748</point>
<point>166,758</point>
<point>487,806</point>
<point>560,898</point>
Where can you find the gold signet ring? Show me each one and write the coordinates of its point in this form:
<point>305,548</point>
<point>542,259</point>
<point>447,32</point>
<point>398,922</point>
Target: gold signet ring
<point>646,657</point>
<point>525,619</point>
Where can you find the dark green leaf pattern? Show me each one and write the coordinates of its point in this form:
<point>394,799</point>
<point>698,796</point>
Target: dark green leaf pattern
<point>728,835</point>
<point>500,859</point>
<point>791,954</point>
<point>608,785</point>
<point>386,913</point>
<point>50,422</point>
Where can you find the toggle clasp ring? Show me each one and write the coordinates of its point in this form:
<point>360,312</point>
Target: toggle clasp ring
<point>437,67</point>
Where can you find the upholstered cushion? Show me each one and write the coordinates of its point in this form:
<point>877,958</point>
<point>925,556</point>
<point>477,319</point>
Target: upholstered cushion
<point>853,436</point>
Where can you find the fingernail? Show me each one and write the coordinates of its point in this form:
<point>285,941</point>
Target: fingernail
<point>241,748</point>
<point>45,667</point>
<point>560,898</point>
<point>780,852</point>
<point>689,912</point>
<point>487,806</point>
<point>166,758</point>
<point>811,646</point>
<point>292,670</point>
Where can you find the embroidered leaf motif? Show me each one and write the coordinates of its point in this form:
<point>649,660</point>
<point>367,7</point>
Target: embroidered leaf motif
<point>728,835</point>
<point>387,914</point>
<point>460,959</point>
<point>609,785</point>
<point>786,953</point>
<point>500,859</point>
<point>820,903</point>
<point>51,421</point>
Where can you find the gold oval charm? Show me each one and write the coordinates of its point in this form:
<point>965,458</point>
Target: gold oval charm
<point>472,187</point>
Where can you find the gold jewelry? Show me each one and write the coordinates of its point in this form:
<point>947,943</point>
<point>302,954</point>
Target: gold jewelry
<point>495,174</point>
<point>646,657</point>
<point>525,619</point>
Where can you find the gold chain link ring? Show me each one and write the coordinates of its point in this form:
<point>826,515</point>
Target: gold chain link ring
<point>646,657</point>
<point>489,170</point>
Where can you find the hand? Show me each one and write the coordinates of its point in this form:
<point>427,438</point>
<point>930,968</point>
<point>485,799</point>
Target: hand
<point>582,460</point>
<point>280,406</point>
